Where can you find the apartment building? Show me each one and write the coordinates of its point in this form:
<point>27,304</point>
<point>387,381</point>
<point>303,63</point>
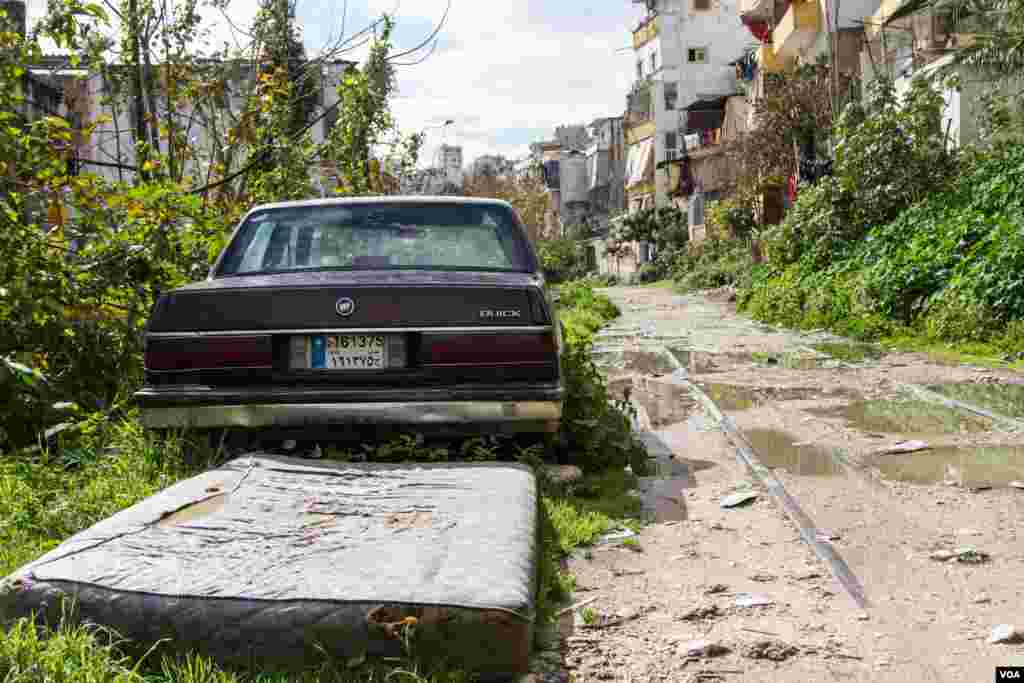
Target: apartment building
<point>684,53</point>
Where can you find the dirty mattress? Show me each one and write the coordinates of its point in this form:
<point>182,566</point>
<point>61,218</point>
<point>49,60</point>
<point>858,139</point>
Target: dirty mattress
<point>268,559</point>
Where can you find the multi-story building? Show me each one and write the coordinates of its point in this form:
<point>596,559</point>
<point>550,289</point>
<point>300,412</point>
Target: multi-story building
<point>606,168</point>
<point>684,53</point>
<point>492,165</point>
<point>572,137</point>
<point>450,164</point>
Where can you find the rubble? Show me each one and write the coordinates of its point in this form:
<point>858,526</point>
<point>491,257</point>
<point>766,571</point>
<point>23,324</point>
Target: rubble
<point>775,650</point>
<point>702,612</point>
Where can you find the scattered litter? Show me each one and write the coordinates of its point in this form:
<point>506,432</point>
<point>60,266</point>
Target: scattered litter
<point>903,447</point>
<point>738,499</point>
<point>753,600</point>
<point>978,489</point>
<point>762,577</point>
<point>822,535</point>
<point>1017,484</point>
<point>1006,633</point>
<point>702,612</point>
<point>982,600</point>
<point>616,536</point>
<point>964,555</point>
<point>716,588</point>
<point>702,648</point>
<point>627,572</point>
<point>775,650</point>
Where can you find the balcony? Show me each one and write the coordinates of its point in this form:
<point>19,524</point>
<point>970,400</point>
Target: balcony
<point>798,29</point>
<point>645,32</point>
<point>757,9</point>
<point>639,130</point>
<point>769,61</point>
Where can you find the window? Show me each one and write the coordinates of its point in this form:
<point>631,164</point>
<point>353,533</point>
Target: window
<point>701,5</point>
<point>654,61</point>
<point>640,69</point>
<point>671,95</point>
<point>697,55</point>
<point>671,146</point>
<point>379,236</point>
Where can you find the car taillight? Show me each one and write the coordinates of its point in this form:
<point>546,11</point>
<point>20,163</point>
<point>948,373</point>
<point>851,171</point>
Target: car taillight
<point>203,353</point>
<point>488,349</point>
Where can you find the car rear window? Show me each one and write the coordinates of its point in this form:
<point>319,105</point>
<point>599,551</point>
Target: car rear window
<point>376,236</point>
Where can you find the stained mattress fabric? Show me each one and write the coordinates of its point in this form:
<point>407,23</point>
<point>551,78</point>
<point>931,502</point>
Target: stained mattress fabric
<point>268,559</point>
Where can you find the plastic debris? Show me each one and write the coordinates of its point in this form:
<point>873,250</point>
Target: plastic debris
<point>903,447</point>
<point>1006,633</point>
<point>738,499</point>
<point>753,600</point>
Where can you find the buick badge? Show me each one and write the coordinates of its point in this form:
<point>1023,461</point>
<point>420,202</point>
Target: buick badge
<point>345,306</point>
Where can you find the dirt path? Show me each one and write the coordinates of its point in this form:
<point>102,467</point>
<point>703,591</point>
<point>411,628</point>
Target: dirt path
<point>817,411</point>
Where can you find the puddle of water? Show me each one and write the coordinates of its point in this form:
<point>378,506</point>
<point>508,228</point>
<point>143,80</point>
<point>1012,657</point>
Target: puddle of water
<point>906,417</point>
<point>195,511</point>
<point>1003,399</point>
<point>777,449</point>
<point>737,397</point>
<point>663,495</point>
<point>851,352</point>
<point>985,466</point>
<point>647,362</point>
<point>665,403</point>
<point>703,362</point>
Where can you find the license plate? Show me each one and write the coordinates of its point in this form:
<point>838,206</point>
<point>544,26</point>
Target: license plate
<point>347,352</point>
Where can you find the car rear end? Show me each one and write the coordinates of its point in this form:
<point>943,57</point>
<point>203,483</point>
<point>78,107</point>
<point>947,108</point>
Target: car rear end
<point>332,317</point>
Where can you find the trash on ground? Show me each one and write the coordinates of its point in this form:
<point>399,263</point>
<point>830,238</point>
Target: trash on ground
<point>753,600</point>
<point>702,648</point>
<point>1017,484</point>
<point>616,536</point>
<point>762,577</point>
<point>823,535</point>
<point>775,650</point>
<point>1006,633</point>
<point>902,447</point>
<point>964,555</point>
<point>738,499</point>
<point>716,588</point>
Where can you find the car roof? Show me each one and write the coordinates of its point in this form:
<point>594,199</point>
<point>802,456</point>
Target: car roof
<point>385,199</point>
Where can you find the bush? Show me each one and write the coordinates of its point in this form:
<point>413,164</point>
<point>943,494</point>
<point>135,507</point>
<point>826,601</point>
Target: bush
<point>949,267</point>
<point>561,259</point>
<point>713,263</point>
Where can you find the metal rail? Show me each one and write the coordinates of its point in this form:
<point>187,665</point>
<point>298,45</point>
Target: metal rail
<point>748,457</point>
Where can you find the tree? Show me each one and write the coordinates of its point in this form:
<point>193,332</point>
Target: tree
<point>527,194</point>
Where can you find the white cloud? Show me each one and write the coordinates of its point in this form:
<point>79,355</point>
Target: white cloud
<point>509,69</point>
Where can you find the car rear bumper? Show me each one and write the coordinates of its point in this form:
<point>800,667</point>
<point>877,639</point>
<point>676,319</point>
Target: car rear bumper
<point>517,411</point>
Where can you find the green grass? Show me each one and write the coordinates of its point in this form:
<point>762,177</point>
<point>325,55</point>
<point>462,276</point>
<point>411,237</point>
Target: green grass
<point>960,353</point>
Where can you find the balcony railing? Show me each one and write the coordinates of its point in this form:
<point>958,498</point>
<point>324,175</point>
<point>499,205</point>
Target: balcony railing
<point>798,28</point>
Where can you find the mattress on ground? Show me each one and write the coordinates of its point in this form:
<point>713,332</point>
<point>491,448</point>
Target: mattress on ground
<point>267,559</point>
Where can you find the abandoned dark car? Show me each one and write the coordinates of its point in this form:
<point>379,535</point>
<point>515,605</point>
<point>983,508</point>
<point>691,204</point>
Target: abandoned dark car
<point>334,316</point>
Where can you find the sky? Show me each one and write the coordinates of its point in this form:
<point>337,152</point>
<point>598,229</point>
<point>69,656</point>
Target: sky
<point>506,72</point>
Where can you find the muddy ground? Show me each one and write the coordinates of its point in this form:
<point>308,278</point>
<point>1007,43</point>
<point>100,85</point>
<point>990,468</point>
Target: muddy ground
<point>819,412</point>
